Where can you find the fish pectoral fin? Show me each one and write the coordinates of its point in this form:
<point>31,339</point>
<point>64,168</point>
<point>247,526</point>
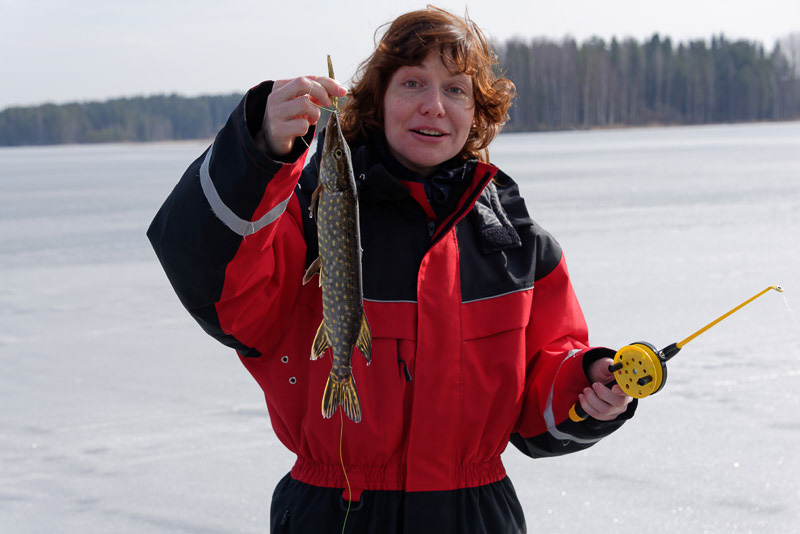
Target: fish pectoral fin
<point>364,340</point>
<point>321,343</point>
<point>313,269</point>
<point>341,393</point>
<point>312,207</point>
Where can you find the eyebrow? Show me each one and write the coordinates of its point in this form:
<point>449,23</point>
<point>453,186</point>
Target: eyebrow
<point>422,67</point>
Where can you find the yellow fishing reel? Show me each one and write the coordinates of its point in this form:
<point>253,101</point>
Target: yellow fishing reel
<point>639,370</point>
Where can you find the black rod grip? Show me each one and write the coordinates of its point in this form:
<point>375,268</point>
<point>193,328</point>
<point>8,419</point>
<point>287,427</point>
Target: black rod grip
<point>669,351</point>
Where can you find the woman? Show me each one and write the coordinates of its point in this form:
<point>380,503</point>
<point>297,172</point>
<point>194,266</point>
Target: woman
<point>478,338</point>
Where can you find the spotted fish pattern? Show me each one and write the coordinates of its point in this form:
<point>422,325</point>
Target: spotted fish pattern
<point>344,323</point>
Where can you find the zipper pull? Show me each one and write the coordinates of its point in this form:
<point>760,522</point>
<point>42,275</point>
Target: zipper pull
<point>406,372</point>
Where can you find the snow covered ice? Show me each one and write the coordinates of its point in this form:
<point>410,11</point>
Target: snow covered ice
<point>118,414</point>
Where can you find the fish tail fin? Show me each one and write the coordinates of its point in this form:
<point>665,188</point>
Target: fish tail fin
<point>321,343</point>
<point>341,393</point>
<point>364,340</point>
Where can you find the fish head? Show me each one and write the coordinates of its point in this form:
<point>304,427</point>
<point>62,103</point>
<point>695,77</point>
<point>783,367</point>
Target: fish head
<point>336,173</point>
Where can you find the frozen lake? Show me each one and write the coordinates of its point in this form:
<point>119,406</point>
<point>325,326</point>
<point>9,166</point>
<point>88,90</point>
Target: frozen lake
<point>118,414</point>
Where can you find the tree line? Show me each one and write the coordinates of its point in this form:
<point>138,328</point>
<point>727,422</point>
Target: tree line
<point>566,85</point>
<point>153,118</point>
<point>560,85</point>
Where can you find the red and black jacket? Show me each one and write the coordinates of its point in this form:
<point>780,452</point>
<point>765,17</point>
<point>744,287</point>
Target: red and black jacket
<point>478,338</point>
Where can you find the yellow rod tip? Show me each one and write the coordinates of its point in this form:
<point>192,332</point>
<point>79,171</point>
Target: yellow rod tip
<point>779,289</point>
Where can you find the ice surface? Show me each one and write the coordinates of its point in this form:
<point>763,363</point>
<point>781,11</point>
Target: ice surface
<point>119,415</point>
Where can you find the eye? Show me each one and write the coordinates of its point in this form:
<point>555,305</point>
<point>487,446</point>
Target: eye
<point>338,154</point>
<point>411,84</point>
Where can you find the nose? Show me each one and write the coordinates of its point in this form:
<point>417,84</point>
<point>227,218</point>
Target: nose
<point>433,104</point>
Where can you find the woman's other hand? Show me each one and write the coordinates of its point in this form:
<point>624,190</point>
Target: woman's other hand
<point>598,400</point>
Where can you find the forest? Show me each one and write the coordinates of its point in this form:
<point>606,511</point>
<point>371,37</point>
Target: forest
<point>140,119</point>
<point>598,84</point>
<point>560,85</point>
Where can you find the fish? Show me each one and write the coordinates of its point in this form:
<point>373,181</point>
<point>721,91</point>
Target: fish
<point>344,324</point>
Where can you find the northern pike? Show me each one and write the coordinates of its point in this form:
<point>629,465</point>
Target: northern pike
<point>344,323</point>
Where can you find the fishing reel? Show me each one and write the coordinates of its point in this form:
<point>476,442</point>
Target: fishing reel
<point>641,370</point>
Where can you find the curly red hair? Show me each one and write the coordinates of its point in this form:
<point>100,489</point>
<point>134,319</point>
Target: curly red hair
<point>409,39</point>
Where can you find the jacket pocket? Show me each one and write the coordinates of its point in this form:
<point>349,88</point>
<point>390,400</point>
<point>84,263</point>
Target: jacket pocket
<point>493,372</point>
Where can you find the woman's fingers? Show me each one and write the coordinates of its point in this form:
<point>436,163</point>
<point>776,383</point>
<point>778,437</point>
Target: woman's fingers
<point>292,107</point>
<point>603,403</point>
<point>287,111</point>
<point>331,87</point>
<point>598,370</point>
<point>318,88</point>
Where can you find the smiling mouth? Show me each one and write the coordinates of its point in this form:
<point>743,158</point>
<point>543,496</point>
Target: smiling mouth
<point>429,133</point>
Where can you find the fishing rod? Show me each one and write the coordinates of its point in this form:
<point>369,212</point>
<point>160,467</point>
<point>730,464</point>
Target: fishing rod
<point>641,370</point>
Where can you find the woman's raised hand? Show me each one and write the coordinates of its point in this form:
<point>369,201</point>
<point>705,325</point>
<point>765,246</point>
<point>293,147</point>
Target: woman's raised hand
<point>292,107</point>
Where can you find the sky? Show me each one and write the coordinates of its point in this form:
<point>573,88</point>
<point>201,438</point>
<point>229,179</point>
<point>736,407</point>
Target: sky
<point>83,50</point>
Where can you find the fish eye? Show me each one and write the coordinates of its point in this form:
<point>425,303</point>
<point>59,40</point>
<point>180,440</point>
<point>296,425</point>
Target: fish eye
<point>338,154</point>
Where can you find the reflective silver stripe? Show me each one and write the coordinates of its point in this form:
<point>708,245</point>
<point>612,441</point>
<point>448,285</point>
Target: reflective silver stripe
<point>520,290</point>
<point>391,301</point>
<point>225,214</point>
<point>550,419</point>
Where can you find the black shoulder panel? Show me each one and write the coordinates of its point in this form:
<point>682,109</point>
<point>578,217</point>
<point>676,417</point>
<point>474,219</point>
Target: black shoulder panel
<point>502,250</point>
<point>394,238</point>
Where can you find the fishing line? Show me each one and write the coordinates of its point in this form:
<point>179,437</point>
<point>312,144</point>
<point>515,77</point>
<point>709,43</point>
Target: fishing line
<point>329,110</point>
<point>797,324</point>
<point>794,317</point>
<point>347,480</point>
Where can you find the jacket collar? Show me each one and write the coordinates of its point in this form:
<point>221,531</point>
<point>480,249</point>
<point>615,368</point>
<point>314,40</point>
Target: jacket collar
<point>379,178</point>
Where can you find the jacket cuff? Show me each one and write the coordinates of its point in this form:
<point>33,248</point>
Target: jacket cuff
<point>570,436</point>
<point>592,355</point>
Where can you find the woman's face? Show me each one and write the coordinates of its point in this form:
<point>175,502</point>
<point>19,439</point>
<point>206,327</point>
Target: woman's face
<point>428,112</point>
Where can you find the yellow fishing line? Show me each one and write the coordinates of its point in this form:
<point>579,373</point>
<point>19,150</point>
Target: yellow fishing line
<point>329,110</point>
<point>341,459</point>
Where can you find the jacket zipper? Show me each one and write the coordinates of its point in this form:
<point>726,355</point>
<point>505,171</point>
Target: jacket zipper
<point>283,526</point>
<point>451,221</point>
